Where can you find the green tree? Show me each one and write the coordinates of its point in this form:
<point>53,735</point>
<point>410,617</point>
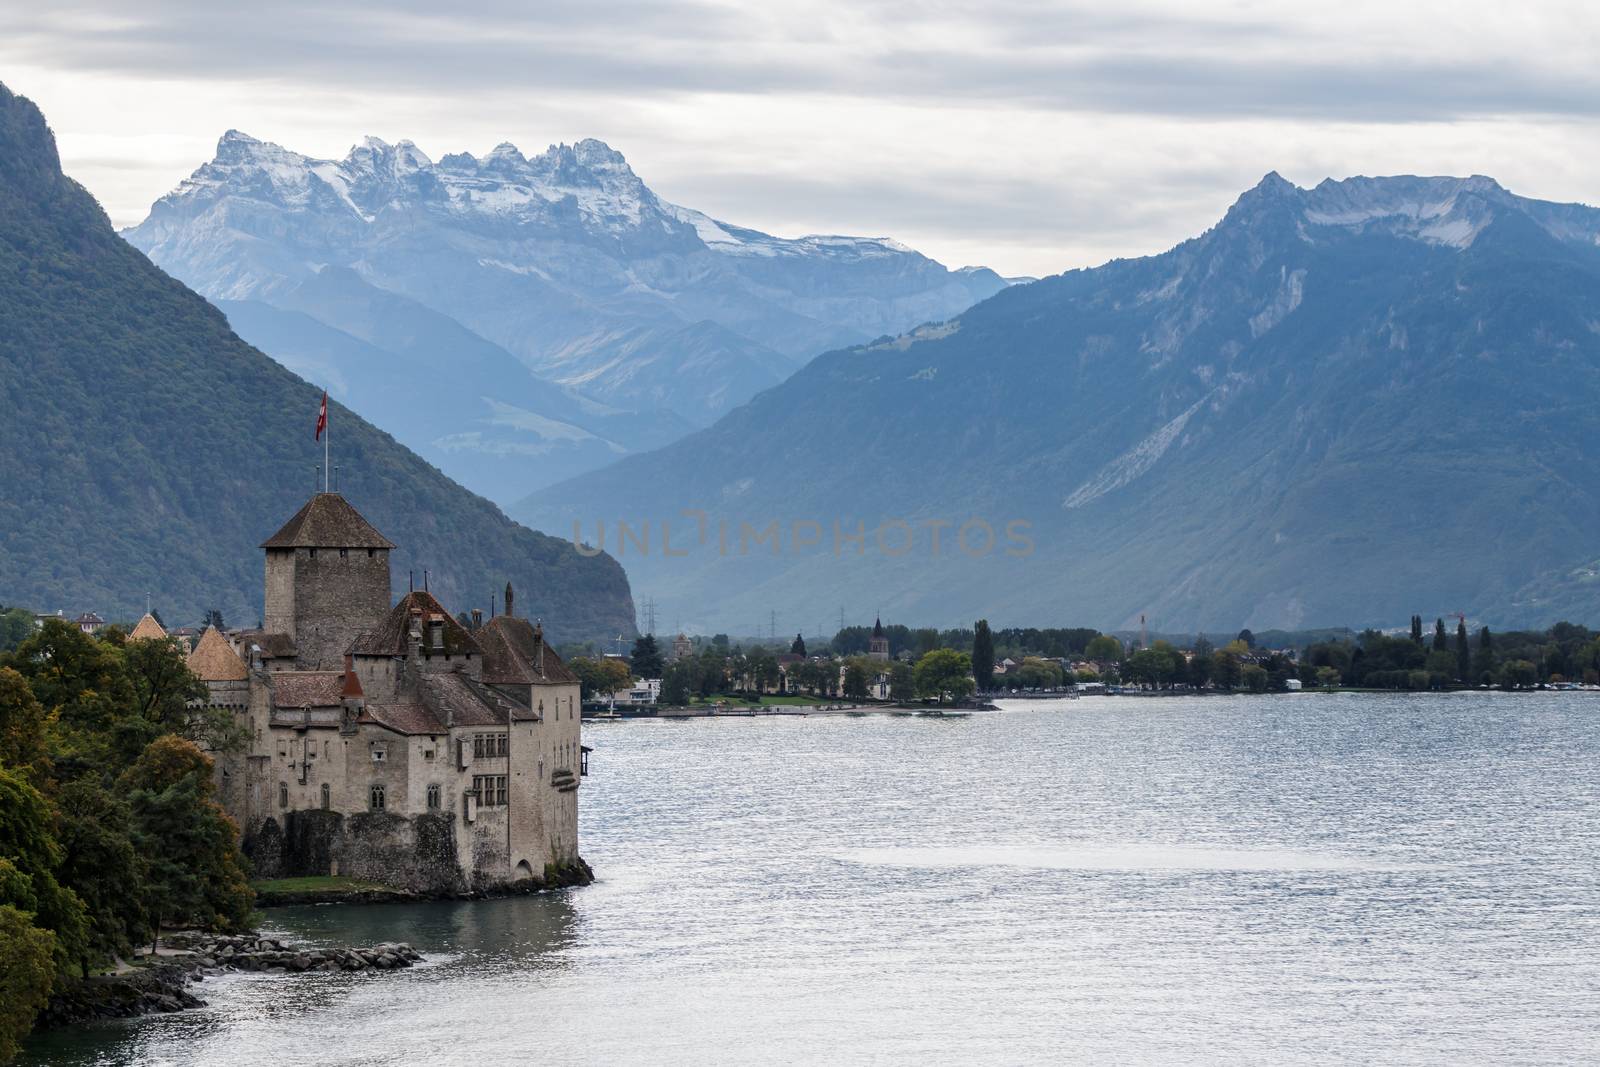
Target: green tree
<point>191,847</point>
<point>1254,677</point>
<point>1441,641</point>
<point>1198,669</point>
<point>1248,638</point>
<point>600,677</point>
<point>1416,629</point>
<point>1328,677</point>
<point>855,681</point>
<point>902,682</point>
<point>26,952</point>
<point>169,699</point>
<point>1104,649</point>
<point>83,685</point>
<point>1484,666</point>
<point>1463,653</point>
<point>944,672</point>
<point>29,857</point>
<point>982,656</point>
<point>677,686</point>
<point>646,657</point>
<point>23,727</point>
<point>1225,667</point>
<point>99,864</point>
<point>15,625</point>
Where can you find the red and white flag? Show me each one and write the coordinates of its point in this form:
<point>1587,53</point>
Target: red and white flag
<point>322,416</point>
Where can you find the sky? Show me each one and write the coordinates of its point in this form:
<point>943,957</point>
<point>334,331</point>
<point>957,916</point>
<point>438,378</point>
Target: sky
<point>1029,137</point>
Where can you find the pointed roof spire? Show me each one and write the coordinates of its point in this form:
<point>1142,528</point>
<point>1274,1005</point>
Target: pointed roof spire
<point>327,521</point>
<point>877,627</point>
<point>509,594</point>
<point>147,630</point>
<point>214,660</point>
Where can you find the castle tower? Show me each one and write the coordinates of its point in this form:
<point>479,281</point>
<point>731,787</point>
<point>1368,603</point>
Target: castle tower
<point>878,646</point>
<point>327,580</point>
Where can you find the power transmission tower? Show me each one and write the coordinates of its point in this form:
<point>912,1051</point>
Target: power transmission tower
<point>650,615</point>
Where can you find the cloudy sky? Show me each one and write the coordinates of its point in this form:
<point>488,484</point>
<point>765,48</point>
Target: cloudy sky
<point>1031,137</point>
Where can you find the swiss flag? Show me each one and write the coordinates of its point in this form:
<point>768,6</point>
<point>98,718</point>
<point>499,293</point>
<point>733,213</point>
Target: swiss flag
<point>322,416</point>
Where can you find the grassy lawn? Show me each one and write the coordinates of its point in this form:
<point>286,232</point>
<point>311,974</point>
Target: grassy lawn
<point>316,884</point>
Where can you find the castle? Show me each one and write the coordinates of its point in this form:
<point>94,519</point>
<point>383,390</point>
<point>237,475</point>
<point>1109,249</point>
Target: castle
<point>392,743</point>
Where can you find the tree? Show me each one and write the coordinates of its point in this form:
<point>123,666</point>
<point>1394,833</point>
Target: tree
<point>902,684</point>
<point>99,864</point>
<point>1254,677</point>
<point>1416,629</point>
<point>29,857</point>
<point>797,647</point>
<point>1248,638</point>
<point>1198,669</point>
<point>982,656</point>
<point>191,847</point>
<point>15,625</point>
<point>676,686</point>
<point>1463,653</point>
<point>600,677</point>
<point>169,699</point>
<point>1225,667</point>
<point>25,976</point>
<point>855,681</point>
<point>1038,673</point>
<point>1441,642</point>
<point>1483,664</point>
<point>214,618</point>
<point>83,684</point>
<point>944,672</point>
<point>1328,678</point>
<point>646,657</point>
<point>23,727</point>
<point>1104,649</point>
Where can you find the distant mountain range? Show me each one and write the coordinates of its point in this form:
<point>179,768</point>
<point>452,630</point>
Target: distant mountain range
<point>145,449</point>
<point>518,320</point>
<point>1339,405</point>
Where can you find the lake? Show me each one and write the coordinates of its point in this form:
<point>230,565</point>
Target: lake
<point>1296,879</point>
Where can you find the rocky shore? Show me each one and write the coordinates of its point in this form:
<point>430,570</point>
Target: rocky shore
<point>162,984</point>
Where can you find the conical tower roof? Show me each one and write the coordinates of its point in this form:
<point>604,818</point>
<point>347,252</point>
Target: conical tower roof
<point>148,630</point>
<point>214,661</point>
<point>327,521</point>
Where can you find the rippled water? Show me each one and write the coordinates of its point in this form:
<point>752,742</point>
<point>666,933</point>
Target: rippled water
<point>1272,880</point>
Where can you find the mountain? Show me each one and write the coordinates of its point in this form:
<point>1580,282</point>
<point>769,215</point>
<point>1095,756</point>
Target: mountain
<point>144,448</point>
<point>1343,404</point>
<point>649,317</point>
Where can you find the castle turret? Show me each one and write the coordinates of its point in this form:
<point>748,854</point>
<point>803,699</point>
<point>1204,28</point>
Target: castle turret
<point>327,580</point>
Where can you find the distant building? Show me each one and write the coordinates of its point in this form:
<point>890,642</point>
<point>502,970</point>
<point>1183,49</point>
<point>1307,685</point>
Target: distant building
<point>682,648</point>
<point>89,622</point>
<point>878,644</point>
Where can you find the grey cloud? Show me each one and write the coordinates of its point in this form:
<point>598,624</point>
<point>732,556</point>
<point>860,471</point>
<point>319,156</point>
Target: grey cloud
<point>1006,54</point>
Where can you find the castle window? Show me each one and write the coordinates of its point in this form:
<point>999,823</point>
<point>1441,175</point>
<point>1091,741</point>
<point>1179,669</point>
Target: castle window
<point>313,553</point>
<point>342,553</point>
<point>283,794</point>
<point>327,797</point>
<point>436,633</point>
<point>283,750</point>
<point>371,552</point>
<point>380,753</point>
<point>433,798</point>
<point>427,754</point>
<point>375,798</point>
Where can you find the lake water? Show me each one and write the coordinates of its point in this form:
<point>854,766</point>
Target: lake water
<point>1309,878</point>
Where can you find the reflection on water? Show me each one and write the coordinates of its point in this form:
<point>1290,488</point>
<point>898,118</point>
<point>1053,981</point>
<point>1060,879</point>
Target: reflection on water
<point>1284,880</point>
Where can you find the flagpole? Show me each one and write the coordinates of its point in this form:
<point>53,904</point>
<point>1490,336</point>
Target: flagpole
<point>327,438</point>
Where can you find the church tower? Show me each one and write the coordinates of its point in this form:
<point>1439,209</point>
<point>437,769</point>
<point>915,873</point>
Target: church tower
<point>878,646</point>
<point>327,580</point>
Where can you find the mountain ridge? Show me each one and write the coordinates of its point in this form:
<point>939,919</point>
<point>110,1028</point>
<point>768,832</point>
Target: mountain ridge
<point>565,259</point>
<point>147,450</point>
<point>1206,436</point>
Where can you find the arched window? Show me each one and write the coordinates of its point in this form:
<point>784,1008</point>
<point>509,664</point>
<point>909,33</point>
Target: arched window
<point>283,794</point>
<point>327,797</point>
<point>433,798</point>
<point>375,799</point>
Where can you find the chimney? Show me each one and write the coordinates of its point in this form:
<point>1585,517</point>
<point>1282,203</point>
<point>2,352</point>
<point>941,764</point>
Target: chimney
<point>414,635</point>
<point>509,612</point>
<point>477,618</point>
